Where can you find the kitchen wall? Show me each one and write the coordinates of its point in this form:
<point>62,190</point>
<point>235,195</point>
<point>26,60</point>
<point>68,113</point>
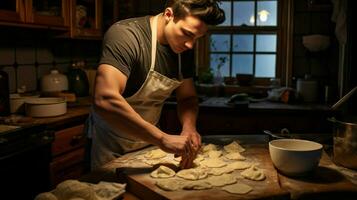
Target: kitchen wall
<point>27,54</point>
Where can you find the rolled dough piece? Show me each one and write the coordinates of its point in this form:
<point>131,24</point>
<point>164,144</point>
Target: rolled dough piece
<point>163,172</point>
<point>213,163</point>
<point>233,147</point>
<point>237,188</point>
<point>225,179</point>
<point>197,185</point>
<point>168,184</point>
<point>214,154</point>
<point>239,165</point>
<point>234,156</point>
<point>253,173</point>
<point>209,147</point>
<point>220,171</point>
<point>192,174</point>
<point>155,154</point>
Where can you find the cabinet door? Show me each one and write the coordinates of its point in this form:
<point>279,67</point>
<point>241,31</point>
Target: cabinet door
<point>67,166</point>
<point>86,18</point>
<point>12,11</point>
<point>48,12</point>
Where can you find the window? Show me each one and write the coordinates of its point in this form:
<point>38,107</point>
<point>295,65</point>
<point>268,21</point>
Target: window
<point>247,42</point>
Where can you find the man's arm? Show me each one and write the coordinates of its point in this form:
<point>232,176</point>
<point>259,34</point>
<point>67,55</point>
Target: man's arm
<point>187,104</point>
<point>115,110</point>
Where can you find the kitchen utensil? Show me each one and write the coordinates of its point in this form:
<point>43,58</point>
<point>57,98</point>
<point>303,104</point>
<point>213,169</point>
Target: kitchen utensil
<point>45,107</point>
<point>345,142</point>
<point>54,82</point>
<point>344,99</point>
<point>295,157</point>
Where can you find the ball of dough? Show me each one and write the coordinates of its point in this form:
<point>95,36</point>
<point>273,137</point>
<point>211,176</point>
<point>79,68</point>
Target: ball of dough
<point>46,196</point>
<point>70,189</point>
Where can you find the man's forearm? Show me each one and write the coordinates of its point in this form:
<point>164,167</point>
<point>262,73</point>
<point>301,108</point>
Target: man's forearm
<point>187,110</point>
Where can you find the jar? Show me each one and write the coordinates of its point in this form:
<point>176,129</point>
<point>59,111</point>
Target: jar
<point>78,81</point>
<point>4,94</point>
<point>54,82</point>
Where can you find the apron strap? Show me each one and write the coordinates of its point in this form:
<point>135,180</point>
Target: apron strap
<point>153,42</point>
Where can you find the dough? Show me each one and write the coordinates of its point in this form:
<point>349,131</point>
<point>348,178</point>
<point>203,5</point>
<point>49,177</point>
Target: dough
<point>253,173</point>
<point>192,174</point>
<point>214,154</point>
<point>237,188</point>
<point>74,189</point>
<point>163,172</point>
<point>233,147</point>
<point>225,179</point>
<point>168,184</point>
<point>213,163</point>
<point>220,171</point>
<point>197,185</point>
<point>239,165</point>
<point>234,156</point>
<point>209,147</point>
<point>46,196</point>
<point>155,154</point>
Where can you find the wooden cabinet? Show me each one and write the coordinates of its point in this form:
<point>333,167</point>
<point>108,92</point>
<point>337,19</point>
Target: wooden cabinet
<point>86,19</point>
<point>47,12</point>
<point>68,151</point>
<point>12,11</point>
<point>81,19</point>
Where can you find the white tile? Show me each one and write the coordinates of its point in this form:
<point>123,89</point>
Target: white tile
<point>44,55</point>
<point>7,56</point>
<point>26,75</point>
<point>12,77</point>
<point>25,55</point>
<point>43,70</point>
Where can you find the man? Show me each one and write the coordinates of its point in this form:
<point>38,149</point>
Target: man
<point>140,67</point>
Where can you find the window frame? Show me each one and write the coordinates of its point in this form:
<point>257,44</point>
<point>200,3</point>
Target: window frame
<point>283,30</point>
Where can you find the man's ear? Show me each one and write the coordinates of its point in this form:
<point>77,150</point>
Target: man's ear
<point>168,14</point>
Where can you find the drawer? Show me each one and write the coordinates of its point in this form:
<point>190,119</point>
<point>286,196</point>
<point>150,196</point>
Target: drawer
<point>68,139</point>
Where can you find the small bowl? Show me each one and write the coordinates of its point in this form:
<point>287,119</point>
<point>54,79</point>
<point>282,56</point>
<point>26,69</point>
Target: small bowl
<point>244,79</point>
<point>295,157</point>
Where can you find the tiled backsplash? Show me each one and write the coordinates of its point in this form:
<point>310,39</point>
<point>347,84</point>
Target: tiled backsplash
<point>27,63</point>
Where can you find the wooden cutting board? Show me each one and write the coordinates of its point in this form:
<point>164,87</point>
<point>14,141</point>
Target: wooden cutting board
<point>142,185</point>
<point>326,182</point>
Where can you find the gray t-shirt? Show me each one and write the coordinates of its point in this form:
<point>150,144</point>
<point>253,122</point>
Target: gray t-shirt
<point>127,46</point>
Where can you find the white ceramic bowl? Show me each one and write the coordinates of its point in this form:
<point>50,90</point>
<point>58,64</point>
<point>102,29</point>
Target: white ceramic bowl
<point>45,106</point>
<point>295,157</point>
<point>17,102</point>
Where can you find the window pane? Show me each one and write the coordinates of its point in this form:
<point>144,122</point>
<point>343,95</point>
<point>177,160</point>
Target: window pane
<point>226,6</point>
<point>243,13</point>
<point>266,43</point>
<point>222,61</point>
<point>220,42</point>
<point>265,66</point>
<point>267,13</point>
<point>242,64</point>
<point>243,43</point>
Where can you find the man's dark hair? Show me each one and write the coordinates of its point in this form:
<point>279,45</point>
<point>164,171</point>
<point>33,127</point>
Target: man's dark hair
<point>206,10</point>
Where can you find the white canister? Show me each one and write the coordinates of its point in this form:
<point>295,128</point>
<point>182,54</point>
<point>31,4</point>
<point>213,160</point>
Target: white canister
<point>54,82</point>
<point>307,89</point>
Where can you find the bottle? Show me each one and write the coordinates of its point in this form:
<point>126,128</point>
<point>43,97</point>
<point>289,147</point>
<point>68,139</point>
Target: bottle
<point>4,94</point>
<point>77,80</point>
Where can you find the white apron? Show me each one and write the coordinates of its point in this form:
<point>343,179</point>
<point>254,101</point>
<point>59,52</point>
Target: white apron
<point>107,144</point>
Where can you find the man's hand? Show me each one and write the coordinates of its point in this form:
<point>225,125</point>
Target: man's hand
<point>177,144</point>
<point>187,160</point>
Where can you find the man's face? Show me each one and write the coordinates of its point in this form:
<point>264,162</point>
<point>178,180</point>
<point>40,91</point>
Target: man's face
<point>181,34</point>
